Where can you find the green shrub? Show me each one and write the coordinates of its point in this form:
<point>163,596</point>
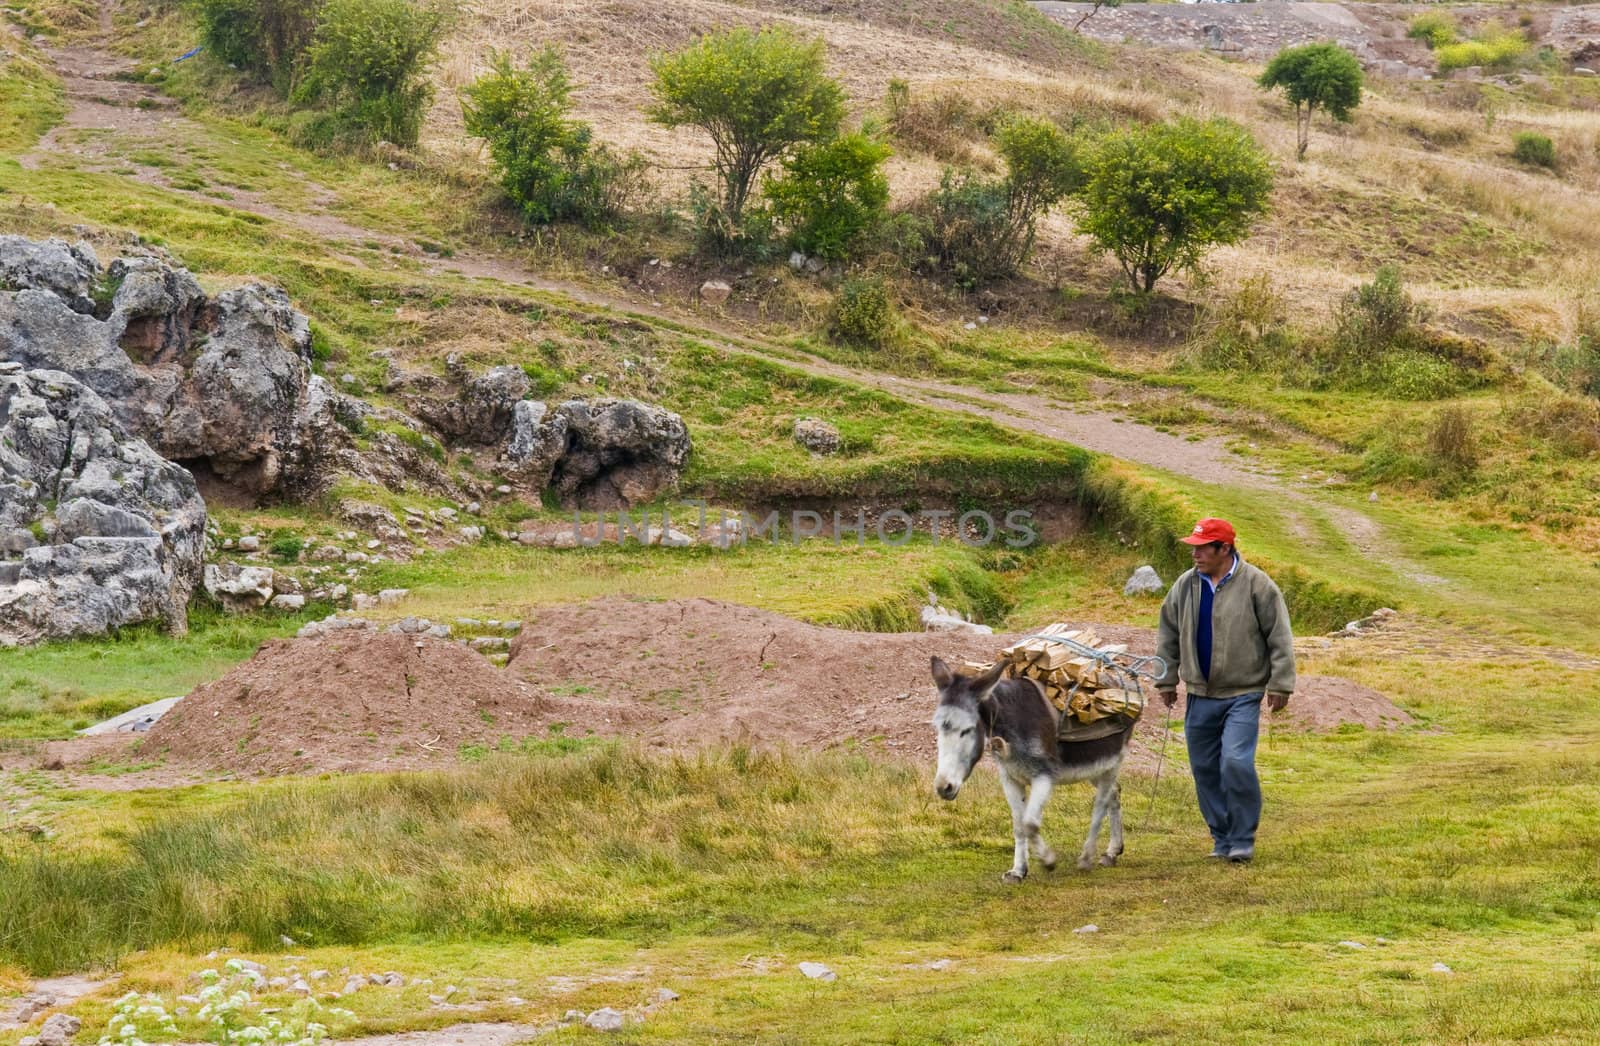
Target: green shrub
<point>831,194</point>
<point>756,94</point>
<point>981,229</point>
<point>1535,150</point>
<point>286,547</point>
<point>548,163</point>
<point>1379,317</point>
<point>1411,374</point>
<point>1247,331</point>
<point>1434,28</point>
<point>266,38</point>
<point>369,59</point>
<point>1158,197</point>
<point>863,313</point>
<point>1494,47</point>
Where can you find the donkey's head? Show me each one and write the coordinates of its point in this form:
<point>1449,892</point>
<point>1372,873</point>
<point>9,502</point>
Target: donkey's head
<point>962,723</point>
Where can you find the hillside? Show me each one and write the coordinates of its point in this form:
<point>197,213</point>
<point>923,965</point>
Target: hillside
<point>679,772</point>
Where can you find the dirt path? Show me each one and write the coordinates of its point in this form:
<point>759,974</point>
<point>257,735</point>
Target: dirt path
<point>119,108</point>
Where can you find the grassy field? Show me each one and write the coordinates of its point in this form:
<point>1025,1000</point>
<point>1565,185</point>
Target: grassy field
<point>581,875</point>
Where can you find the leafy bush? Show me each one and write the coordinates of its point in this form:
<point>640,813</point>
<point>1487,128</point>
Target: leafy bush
<point>1415,375</point>
<point>1494,47</point>
<point>1158,197</point>
<point>267,38</point>
<point>1379,317</point>
<point>369,59</point>
<point>831,194</point>
<point>1315,76</point>
<point>1247,331</point>
<point>547,162</point>
<point>286,547</point>
<point>863,313</point>
<point>1434,28</point>
<point>1533,149</point>
<point>755,94</point>
<point>981,229</point>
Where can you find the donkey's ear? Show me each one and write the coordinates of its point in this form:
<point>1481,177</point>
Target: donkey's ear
<point>984,683</point>
<point>942,676</point>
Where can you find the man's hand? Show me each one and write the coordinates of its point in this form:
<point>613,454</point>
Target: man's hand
<point>1276,702</point>
<point>1169,697</point>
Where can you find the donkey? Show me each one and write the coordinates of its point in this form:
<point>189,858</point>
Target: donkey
<point>1014,721</point>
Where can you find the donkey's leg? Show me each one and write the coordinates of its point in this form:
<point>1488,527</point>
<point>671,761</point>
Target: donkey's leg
<point>1102,802</point>
<point>1114,845</point>
<point>1033,819</point>
<point>1019,834</point>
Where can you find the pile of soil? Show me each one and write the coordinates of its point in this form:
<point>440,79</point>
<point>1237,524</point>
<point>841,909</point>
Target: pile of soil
<point>689,672</point>
<point>353,700</point>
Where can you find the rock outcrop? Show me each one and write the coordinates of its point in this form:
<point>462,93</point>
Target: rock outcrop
<point>599,454</point>
<point>220,384</point>
<point>97,531</point>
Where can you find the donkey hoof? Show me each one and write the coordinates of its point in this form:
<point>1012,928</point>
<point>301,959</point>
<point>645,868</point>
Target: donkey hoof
<point>1013,877</point>
<point>1085,864</point>
<point>1049,862</point>
<point>1108,860</point>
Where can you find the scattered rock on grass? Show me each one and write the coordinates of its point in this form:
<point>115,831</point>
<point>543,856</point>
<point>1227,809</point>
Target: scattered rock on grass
<point>819,437</point>
<point>604,1019</point>
<point>818,972</point>
<point>59,1030</point>
<point>1144,582</point>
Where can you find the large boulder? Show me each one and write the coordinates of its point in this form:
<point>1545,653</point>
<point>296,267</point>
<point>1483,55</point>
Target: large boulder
<point>481,409</point>
<point>221,384</point>
<point>619,453</point>
<point>97,531</point>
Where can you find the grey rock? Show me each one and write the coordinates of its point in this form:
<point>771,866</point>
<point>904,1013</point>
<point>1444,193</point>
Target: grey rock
<point>538,440</point>
<point>480,409</point>
<point>715,292</point>
<point>819,437</point>
<point>666,995</point>
<point>604,1019</point>
<point>59,1030</point>
<point>67,271</point>
<point>238,589</point>
<point>250,543</point>
<point>391,596</point>
<point>1144,582</point>
<point>288,601</point>
<point>816,971</point>
<point>118,533</point>
<point>619,453</point>
<point>365,514</point>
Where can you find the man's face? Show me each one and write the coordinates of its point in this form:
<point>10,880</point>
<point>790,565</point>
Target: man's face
<point>1211,558</point>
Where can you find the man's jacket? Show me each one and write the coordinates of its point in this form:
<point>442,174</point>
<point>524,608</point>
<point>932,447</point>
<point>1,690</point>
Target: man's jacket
<point>1252,648</point>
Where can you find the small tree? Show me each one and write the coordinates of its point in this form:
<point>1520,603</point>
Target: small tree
<point>1315,76</point>
<point>548,163</point>
<point>831,193</point>
<point>1043,167</point>
<point>1098,4</point>
<point>755,94</point>
<point>368,58</point>
<point>1158,197</point>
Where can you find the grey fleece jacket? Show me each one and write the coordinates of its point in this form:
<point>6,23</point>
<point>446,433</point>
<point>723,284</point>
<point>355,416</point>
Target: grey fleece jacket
<point>1252,648</point>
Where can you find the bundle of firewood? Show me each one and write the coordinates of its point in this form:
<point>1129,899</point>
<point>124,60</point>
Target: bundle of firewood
<point>1087,688</point>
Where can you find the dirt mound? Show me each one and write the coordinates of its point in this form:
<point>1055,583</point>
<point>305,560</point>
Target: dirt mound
<point>694,671</point>
<point>355,700</point>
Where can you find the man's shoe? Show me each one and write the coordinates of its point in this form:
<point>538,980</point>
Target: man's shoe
<point>1218,852</point>
<point>1241,854</point>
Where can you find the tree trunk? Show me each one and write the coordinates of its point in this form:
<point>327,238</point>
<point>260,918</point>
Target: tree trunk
<point>1302,131</point>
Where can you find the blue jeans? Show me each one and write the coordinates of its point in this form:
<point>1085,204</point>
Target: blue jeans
<point>1221,734</point>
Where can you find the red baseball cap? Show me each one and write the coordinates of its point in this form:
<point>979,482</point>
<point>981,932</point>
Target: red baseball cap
<point>1209,530</point>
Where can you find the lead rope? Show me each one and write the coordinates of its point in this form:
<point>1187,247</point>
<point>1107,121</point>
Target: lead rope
<point>1161,760</point>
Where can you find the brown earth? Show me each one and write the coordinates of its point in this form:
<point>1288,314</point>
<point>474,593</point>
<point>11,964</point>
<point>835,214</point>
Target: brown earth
<point>356,700</point>
<point>673,675</point>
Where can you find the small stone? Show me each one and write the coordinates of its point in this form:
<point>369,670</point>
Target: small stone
<point>1144,582</point>
<point>1351,944</point>
<point>355,983</point>
<point>818,972</point>
<point>390,596</point>
<point>1440,967</point>
<point>288,601</point>
<point>1087,928</point>
<point>1373,496</point>
<point>363,601</point>
<point>250,543</point>
<point>437,1000</point>
<point>318,975</point>
<point>511,626</point>
<point>59,1030</point>
<point>347,378</point>
<point>817,436</point>
<point>797,260</point>
<point>278,982</point>
<point>573,1015</point>
<point>300,987</point>
<point>503,488</point>
<point>666,995</point>
<point>715,292</point>
<point>604,1019</point>
<point>972,326</point>
<point>473,508</point>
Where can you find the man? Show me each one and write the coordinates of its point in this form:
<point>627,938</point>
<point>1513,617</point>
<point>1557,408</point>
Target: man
<point>1225,633</point>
